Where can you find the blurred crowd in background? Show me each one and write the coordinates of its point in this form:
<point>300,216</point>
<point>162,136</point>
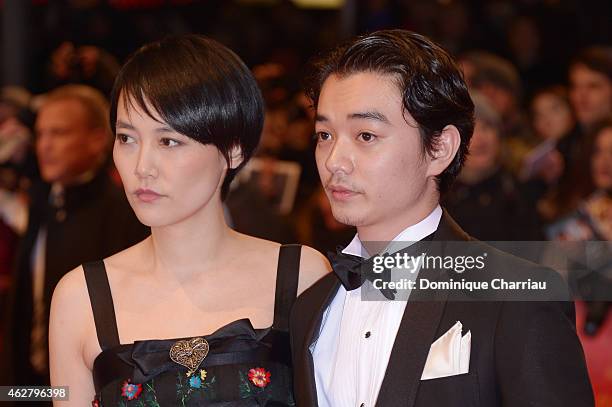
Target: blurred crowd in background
<point>540,73</point>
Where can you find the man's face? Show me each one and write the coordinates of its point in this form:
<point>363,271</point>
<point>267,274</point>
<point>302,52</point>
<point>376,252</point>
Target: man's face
<point>601,164</point>
<point>502,100</point>
<point>66,145</point>
<point>591,95</point>
<point>552,116</point>
<point>370,159</point>
<point>484,148</point>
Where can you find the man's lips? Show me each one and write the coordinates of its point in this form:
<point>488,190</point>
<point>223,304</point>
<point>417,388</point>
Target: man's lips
<point>341,193</point>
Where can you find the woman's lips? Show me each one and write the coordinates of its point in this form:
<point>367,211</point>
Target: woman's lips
<point>147,195</point>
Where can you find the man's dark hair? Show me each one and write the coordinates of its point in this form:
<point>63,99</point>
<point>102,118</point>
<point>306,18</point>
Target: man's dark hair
<point>432,86</point>
<point>200,88</point>
<point>596,58</point>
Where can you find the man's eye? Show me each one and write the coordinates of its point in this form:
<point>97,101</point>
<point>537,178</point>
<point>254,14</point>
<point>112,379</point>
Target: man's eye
<point>124,138</point>
<point>367,137</point>
<point>168,142</point>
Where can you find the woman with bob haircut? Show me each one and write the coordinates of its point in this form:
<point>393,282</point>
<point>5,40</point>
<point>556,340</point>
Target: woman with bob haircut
<point>196,314</point>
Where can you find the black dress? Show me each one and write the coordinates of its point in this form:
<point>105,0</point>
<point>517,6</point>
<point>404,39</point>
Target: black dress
<point>242,366</point>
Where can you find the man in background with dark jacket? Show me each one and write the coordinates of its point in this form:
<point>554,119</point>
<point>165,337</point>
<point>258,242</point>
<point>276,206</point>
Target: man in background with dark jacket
<point>76,214</point>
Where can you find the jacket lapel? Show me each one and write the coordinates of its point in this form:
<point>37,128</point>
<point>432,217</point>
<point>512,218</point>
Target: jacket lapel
<point>417,331</point>
<point>409,354</point>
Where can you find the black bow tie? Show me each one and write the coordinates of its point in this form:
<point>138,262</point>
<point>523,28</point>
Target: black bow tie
<point>354,270</point>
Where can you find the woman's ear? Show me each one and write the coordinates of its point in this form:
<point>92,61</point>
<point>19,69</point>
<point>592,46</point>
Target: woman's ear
<point>447,145</point>
<point>236,157</point>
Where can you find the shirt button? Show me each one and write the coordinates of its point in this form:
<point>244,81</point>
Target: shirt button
<point>367,335</point>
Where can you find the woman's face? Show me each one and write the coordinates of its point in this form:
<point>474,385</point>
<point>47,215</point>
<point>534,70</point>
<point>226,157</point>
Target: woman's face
<point>168,177</point>
<point>552,117</point>
<point>601,164</point>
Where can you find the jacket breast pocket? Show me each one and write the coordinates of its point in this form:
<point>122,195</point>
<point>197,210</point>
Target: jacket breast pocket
<point>451,391</point>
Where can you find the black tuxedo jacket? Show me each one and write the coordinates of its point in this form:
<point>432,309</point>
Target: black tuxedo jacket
<point>523,353</point>
<point>96,222</point>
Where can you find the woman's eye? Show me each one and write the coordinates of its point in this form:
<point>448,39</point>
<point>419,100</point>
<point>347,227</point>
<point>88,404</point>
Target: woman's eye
<point>124,138</point>
<point>168,142</point>
<point>367,137</point>
<point>322,136</point>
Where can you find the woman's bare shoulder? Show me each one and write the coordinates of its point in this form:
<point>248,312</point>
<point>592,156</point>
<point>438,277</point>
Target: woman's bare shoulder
<point>70,314</point>
<point>73,286</point>
<point>71,290</point>
<point>131,254</point>
<point>128,261</point>
<point>257,244</point>
<point>260,253</point>
<point>313,266</point>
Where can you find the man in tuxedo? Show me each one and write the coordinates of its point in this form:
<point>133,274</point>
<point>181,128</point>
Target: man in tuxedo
<point>76,214</point>
<point>393,123</point>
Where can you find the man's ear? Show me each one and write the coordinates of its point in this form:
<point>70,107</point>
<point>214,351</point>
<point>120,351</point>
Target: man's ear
<point>446,147</point>
<point>236,157</point>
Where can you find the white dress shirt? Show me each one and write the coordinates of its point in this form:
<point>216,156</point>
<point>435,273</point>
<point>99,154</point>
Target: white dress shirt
<point>356,337</point>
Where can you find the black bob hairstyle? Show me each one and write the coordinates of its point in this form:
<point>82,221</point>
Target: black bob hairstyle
<point>432,86</point>
<point>200,88</point>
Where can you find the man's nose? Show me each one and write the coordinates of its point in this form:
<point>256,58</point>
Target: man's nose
<point>340,157</point>
<point>43,142</point>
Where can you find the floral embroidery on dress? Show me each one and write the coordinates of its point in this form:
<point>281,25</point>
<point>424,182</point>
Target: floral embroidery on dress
<point>196,386</point>
<point>195,382</point>
<point>131,391</point>
<point>259,376</point>
<point>254,383</point>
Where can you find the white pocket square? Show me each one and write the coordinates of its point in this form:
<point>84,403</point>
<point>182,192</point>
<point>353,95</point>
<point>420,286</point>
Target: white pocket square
<point>449,355</point>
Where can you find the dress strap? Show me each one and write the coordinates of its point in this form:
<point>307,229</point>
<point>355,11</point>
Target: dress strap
<point>101,304</point>
<point>287,278</point>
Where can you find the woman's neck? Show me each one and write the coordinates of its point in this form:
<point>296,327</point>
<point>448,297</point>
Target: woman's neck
<point>191,246</point>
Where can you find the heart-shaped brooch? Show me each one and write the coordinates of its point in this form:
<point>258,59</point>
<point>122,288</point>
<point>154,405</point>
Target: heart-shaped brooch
<point>189,353</point>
